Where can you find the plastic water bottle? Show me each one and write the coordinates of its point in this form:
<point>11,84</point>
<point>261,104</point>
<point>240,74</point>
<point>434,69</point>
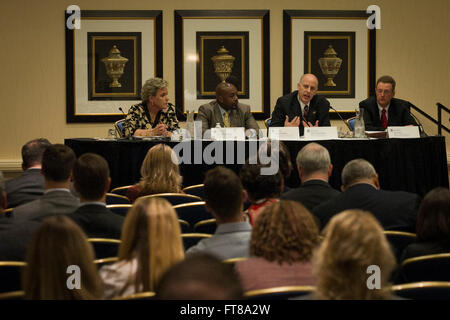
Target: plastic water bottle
<point>360,128</point>
<point>190,124</point>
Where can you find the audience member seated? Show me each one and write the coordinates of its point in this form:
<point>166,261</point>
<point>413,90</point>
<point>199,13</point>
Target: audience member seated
<point>353,242</point>
<point>223,198</point>
<point>395,210</point>
<point>57,163</point>
<point>281,247</point>
<point>57,245</point>
<point>199,277</point>
<point>284,159</point>
<point>433,225</point>
<point>160,174</point>
<point>30,184</point>
<point>92,181</point>
<point>262,190</point>
<point>314,168</point>
<point>151,243</point>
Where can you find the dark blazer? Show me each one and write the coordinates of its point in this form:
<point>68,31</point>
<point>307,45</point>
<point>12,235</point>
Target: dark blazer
<point>27,187</point>
<point>15,239</point>
<point>311,193</point>
<point>395,210</point>
<point>418,249</point>
<point>51,203</point>
<point>210,114</point>
<point>97,221</point>
<point>398,114</point>
<point>319,108</point>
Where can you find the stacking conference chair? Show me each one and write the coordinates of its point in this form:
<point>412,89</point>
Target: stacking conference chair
<point>278,293</point>
<point>185,226</point>
<point>192,212</point>
<point>7,212</point>
<point>101,262</point>
<point>232,261</point>
<point>195,190</point>
<point>147,295</point>
<point>434,267</point>
<point>120,209</point>
<point>121,190</point>
<point>13,295</point>
<point>119,127</point>
<point>105,248</point>
<point>175,198</point>
<point>191,239</point>
<point>10,275</point>
<point>112,198</point>
<point>423,290</point>
<point>206,226</point>
<point>399,240</point>
<point>351,122</point>
<point>267,122</point>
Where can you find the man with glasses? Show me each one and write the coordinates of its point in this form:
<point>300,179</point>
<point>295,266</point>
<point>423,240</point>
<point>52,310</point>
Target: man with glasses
<point>302,108</point>
<point>384,110</point>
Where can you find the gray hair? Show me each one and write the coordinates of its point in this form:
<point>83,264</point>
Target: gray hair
<point>151,86</point>
<point>356,170</point>
<point>313,158</point>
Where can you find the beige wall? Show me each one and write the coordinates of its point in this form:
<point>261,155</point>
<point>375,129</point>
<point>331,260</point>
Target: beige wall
<point>413,46</point>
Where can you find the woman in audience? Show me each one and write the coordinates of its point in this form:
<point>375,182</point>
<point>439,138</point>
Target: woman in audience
<point>160,173</point>
<point>281,246</point>
<point>433,225</point>
<point>59,253</point>
<point>354,241</point>
<point>151,243</point>
<point>284,159</point>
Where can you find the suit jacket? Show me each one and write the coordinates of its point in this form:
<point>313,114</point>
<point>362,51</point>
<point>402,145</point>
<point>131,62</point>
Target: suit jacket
<point>418,249</point>
<point>311,193</point>
<point>395,210</point>
<point>398,114</point>
<point>97,221</point>
<point>27,187</point>
<point>319,108</point>
<point>210,114</point>
<point>53,202</point>
<point>15,239</point>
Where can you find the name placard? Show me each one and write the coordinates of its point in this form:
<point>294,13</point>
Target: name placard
<point>406,132</point>
<point>228,133</point>
<point>284,133</point>
<point>320,133</point>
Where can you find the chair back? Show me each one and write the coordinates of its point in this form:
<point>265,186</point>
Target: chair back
<point>184,226</point>
<point>267,122</point>
<point>175,198</point>
<point>112,198</point>
<point>399,240</point>
<point>437,290</point>
<point>7,212</point>
<point>101,262</point>
<point>11,275</point>
<point>192,212</point>
<point>121,190</point>
<point>147,295</point>
<point>191,239</point>
<point>351,123</point>
<point>232,261</point>
<point>119,127</point>
<point>120,209</point>
<point>206,226</point>
<point>278,293</point>
<point>105,248</point>
<point>13,295</point>
<point>195,190</point>
<point>434,267</point>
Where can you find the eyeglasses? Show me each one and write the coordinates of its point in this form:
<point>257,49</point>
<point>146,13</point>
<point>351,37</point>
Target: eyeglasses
<point>386,92</point>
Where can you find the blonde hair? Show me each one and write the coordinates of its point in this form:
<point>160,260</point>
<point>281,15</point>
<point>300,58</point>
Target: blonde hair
<point>353,241</point>
<point>57,244</point>
<point>151,234</point>
<point>159,172</point>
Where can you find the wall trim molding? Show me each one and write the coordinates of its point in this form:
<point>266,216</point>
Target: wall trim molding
<point>11,165</point>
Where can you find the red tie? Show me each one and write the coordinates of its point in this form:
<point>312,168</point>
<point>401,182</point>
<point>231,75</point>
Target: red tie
<point>384,122</point>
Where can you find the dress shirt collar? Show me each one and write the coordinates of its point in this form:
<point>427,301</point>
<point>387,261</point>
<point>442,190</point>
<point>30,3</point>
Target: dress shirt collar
<point>380,108</point>
<point>56,189</point>
<point>97,203</point>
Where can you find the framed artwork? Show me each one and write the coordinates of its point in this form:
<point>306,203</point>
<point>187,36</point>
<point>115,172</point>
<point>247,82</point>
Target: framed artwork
<point>335,46</point>
<point>212,46</point>
<point>107,61</point>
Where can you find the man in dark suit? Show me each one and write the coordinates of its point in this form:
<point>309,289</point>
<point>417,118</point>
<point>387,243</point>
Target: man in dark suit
<point>395,210</point>
<point>384,110</point>
<point>57,163</point>
<point>302,108</point>
<point>314,169</point>
<point>226,110</point>
<point>30,185</point>
<point>92,182</point>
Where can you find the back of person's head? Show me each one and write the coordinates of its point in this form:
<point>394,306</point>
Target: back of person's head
<point>200,276</point>
<point>357,170</point>
<point>260,186</point>
<point>284,232</point>
<point>59,247</point>
<point>91,176</point>
<point>223,192</point>
<point>433,219</point>
<point>284,156</point>
<point>57,162</point>
<point>313,158</point>
<point>159,171</point>
<point>151,233</point>
<point>354,240</point>
<point>2,192</point>
<point>32,152</point>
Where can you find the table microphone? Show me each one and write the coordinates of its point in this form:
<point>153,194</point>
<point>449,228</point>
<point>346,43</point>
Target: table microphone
<point>121,110</point>
<point>421,131</point>
<point>346,124</point>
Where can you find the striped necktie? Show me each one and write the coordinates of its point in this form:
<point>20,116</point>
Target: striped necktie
<point>305,113</point>
<point>226,119</point>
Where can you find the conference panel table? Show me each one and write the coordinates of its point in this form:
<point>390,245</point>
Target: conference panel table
<point>415,165</point>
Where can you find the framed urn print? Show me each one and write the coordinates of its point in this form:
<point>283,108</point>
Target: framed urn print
<point>335,46</point>
<point>105,65</point>
<point>213,46</point>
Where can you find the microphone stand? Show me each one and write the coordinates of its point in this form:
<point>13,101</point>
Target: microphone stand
<point>346,124</point>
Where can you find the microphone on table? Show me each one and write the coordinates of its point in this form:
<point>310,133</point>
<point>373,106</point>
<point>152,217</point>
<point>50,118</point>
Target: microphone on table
<point>346,124</point>
<point>180,115</point>
<point>121,110</point>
